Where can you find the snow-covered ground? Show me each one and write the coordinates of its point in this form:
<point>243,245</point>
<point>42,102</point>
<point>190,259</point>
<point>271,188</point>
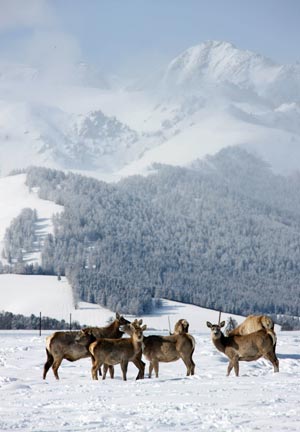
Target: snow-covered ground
<point>15,196</point>
<point>34,294</point>
<point>208,401</point>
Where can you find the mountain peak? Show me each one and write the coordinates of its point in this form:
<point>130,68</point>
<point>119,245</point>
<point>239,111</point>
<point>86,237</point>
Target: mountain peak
<point>218,61</point>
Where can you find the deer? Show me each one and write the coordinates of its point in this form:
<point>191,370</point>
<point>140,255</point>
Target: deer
<point>182,326</point>
<point>109,352</point>
<point>166,349</point>
<point>253,323</point>
<point>73,345</point>
<point>244,348</point>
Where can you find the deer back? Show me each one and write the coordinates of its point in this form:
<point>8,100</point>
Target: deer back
<point>252,324</point>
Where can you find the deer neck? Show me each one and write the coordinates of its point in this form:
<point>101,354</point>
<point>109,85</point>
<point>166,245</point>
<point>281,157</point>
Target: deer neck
<point>137,344</point>
<point>114,329</point>
<point>220,343</point>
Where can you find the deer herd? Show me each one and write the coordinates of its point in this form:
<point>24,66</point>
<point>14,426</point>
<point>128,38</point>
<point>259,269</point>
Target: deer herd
<point>251,340</point>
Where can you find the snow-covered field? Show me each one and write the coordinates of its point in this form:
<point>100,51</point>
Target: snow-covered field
<point>34,294</point>
<point>208,401</point>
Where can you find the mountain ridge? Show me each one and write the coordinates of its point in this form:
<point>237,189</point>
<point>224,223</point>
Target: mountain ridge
<point>210,96</point>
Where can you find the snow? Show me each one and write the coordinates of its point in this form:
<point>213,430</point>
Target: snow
<point>198,92</point>
<point>208,401</point>
<point>51,297</point>
<point>14,196</point>
<point>222,128</point>
<point>221,61</point>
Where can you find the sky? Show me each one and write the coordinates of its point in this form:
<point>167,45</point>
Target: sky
<point>125,36</point>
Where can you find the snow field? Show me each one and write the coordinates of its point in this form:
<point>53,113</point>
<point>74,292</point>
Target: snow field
<point>32,294</point>
<point>208,401</point>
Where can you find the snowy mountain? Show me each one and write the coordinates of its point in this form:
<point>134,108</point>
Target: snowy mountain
<point>222,64</point>
<point>38,134</point>
<point>210,96</point>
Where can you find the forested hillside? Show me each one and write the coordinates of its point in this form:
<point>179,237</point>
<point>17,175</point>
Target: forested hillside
<point>223,234</point>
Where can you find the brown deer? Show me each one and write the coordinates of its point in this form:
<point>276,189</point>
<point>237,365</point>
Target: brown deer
<point>166,349</point>
<point>73,345</point>
<point>252,324</point>
<point>109,352</point>
<point>244,348</point>
<point>182,326</point>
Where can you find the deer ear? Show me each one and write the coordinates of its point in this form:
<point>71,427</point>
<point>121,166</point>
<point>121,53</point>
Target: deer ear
<point>209,324</point>
<point>118,316</point>
<point>140,322</point>
<point>144,327</point>
<point>222,324</point>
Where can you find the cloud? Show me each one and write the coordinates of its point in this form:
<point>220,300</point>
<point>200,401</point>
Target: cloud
<point>51,46</point>
<point>54,52</point>
<point>34,35</point>
<point>24,14</point>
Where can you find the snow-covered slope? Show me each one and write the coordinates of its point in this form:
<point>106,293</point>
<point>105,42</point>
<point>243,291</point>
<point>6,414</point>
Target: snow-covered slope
<point>216,129</point>
<point>29,294</point>
<point>14,196</point>
<point>210,96</point>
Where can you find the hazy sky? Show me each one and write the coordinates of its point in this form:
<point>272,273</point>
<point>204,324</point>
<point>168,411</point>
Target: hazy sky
<point>121,35</point>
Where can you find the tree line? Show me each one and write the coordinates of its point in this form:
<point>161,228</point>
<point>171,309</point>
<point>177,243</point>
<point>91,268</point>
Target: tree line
<point>223,234</point>
<point>10,321</point>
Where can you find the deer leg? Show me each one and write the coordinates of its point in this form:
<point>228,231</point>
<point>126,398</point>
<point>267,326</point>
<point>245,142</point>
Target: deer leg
<point>111,371</point>
<point>190,365</point>
<point>105,368</point>
<point>95,368</point>
<point>193,367</point>
<point>233,363</point>
<point>48,363</point>
<point>124,366</point>
<point>273,359</point>
<point>156,367</point>
<point>230,366</point>
<point>138,362</point>
<point>236,367</point>
<point>150,369</point>
<point>55,367</point>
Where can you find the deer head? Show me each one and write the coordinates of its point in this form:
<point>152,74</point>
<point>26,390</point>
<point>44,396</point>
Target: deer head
<point>215,328</point>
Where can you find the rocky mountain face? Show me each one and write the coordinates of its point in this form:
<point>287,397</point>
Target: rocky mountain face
<point>210,96</point>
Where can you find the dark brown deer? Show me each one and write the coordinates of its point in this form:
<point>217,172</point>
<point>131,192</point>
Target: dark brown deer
<point>245,348</point>
<point>166,349</point>
<point>109,352</point>
<point>73,345</point>
<point>252,324</point>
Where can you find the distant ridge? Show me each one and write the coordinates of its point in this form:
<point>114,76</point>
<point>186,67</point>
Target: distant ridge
<point>210,96</point>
